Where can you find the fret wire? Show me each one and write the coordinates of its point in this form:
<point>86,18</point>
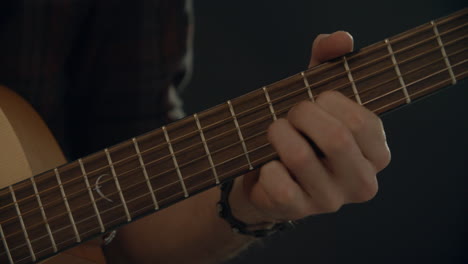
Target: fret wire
<point>265,145</point>
<point>270,104</point>
<point>444,54</point>
<point>309,91</point>
<point>418,92</point>
<point>167,172</point>
<point>351,80</point>
<point>403,36</point>
<point>415,93</point>
<point>227,173</point>
<point>20,217</point>
<point>207,150</point>
<point>330,65</point>
<point>117,184</point>
<point>352,56</point>
<point>144,208</point>
<point>239,132</point>
<point>176,164</point>
<point>260,133</point>
<point>455,52</point>
<point>145,173</point>
<point>44,217</point>
<point>233,170</point>
<point>65,201</point>
<point>395,78</point>
<point>5,245</point>
<point>397,70</point>
<point>279,99</point>
<point>268,156</point>
<point>91,195</point>
<point>409,85</point>
<point>397,89</point>
<point>365,51</point>
<point>411,71</point>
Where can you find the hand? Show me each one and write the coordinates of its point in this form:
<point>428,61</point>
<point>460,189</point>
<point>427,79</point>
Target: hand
<point>302,183</point>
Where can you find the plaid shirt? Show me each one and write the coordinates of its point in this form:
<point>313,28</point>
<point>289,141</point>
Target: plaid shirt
<point>97,71</point>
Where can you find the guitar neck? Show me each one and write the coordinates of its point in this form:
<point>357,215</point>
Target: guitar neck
<point>85,198</point>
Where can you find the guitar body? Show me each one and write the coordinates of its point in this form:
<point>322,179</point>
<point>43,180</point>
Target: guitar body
<point>28,148</point>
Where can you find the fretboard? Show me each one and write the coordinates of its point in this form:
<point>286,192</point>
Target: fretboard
<point>62,207</point>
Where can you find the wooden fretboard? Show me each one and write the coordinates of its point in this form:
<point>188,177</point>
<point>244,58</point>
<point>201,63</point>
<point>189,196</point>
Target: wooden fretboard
<point>85,198</point>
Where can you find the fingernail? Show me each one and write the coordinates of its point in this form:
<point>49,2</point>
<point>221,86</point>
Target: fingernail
<point>350,36</point>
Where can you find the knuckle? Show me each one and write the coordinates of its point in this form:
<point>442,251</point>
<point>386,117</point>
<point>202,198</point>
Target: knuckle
<point>270,168</point>
<point>357,121</point>
<point>282,200</point>
<point>368,189</point>
<point>375,118</point>
<point>275,128</point>
<point>286,197</point>
<point>302,211</point>
<point>277,124</point>
<point>383,160</point>
<point>328,97</point>
<point>330,204</point>
<point>300,157</point>
<point>298,110</point>
<point>340,139</point>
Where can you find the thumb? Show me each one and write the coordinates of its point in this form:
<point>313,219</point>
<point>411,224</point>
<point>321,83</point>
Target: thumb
<point>330,46</point>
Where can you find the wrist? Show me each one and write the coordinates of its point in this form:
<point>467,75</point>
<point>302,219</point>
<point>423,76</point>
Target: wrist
<point>257,225</point>
<point>243,209</point>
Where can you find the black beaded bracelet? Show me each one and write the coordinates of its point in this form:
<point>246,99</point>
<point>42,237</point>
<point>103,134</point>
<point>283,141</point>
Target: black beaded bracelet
<point>224,211</point>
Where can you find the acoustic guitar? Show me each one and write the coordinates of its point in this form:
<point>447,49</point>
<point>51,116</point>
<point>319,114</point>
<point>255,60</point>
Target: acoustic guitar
<point>49,206</point>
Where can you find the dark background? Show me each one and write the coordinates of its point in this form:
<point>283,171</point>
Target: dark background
<point>420,214</point>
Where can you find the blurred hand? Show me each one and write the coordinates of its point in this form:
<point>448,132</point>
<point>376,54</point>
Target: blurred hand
<point>351,138</point>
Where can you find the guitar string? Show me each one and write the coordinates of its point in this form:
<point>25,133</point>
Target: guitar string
<point>267,158</point>
<point>396,39</point>
<point>457,75</point>
<point>150,207</point>
<point>194,133</point>
<point>176,140</point>
<point>402,99</point>
<point>241,155</point>
<point>92,231</point>
<point>283,110</point>
<point>253,123</point>
<point>287,96</point>
<point>245,125</point>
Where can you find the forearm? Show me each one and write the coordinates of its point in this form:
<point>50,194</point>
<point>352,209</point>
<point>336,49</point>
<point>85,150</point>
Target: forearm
<point>189,231</point>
